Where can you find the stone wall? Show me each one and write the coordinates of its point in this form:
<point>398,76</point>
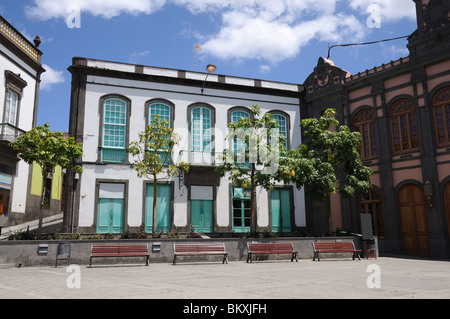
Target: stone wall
<point>27,253</point>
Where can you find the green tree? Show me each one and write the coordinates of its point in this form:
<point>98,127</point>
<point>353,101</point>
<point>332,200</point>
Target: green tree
<point>153,152</point>
<point>328,161</point>
<point>256,163</point>
<point>48,149</point>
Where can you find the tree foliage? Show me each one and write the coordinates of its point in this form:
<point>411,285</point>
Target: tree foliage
<point>48,149</point>
<point>256,163</point>
<point>153,152</point>
<point>328,161</point>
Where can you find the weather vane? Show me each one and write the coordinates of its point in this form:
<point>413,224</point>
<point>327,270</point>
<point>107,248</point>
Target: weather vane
<point>197,47</point>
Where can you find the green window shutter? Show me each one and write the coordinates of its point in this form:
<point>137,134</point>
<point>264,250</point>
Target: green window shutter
<point>239,146</point>
<point>164,112</point>
<point>111,208</point>
<point>111,216</point>
<point>280,208</point>
<point>283,128</point>
<point>202,212</point>
<point>202,208</point>
<point>163,208</point>
<point>114,142</point>
<point>201,135</point>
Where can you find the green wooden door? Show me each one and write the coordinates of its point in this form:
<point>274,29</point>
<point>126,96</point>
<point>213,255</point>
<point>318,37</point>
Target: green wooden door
<point>163,208</point>
<point>202,212</point>
<point>110,216</point>
<point>111,208</point>
<point>280,208</point>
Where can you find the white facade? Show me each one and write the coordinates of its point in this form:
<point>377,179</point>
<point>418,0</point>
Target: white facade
<point>20,71</point>
<point>138,87</point>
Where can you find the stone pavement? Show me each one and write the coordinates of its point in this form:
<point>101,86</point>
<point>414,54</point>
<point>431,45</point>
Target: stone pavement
<point>330,278</point>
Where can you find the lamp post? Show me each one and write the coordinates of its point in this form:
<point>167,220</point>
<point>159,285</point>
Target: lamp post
<point>76,177</point>
<point>210,68</point>
<point>428,191</point>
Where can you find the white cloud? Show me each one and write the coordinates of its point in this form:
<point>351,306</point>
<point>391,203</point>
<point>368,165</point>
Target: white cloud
<point>268,36</point>
<point>51,77</point>
<point>135,56</point>
<point>266,30</point>
<point>391,10</point>
<point>264,68</point>
<point>49,9</point>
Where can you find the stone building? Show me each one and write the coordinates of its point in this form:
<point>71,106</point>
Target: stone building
<point>113,102</point>
<point>402,110</point>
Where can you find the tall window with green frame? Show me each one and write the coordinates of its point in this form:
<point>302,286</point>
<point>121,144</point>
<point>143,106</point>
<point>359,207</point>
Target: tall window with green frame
<point>283,128</point>
<point>241,206</point>
<point>240,146</point>
<point>115,115</point>
<point>201,135</point>
<point>164,111</point>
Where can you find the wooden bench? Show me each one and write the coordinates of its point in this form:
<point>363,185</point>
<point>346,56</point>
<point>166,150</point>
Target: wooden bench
<point>335,247</point>
<point>199,249</point>
<point>136,250</point>
<point>271,248</point>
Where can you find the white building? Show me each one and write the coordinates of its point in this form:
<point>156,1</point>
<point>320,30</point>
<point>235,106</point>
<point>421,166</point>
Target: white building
<point>112,102</point>
<point>20,72</point>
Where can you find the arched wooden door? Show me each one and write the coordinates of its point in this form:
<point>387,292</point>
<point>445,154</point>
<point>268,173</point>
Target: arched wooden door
<point>447,205</point>
<point>413,221</point>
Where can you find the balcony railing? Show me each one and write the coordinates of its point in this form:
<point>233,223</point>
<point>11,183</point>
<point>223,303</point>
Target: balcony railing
<point>195,158</point>
<point>113,155</point>
<point>9,132</point>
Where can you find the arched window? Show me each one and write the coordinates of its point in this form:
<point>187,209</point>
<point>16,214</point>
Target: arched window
<point>114,130</point>
<point>283,126</point>
<point>201,135</point>
<point>441,112</point>
<point>364,123</point>
<point>239,146</point>
<point>162,109</point>
<point>404,127</point>
<point>239,113</point>
<point>371,204</point>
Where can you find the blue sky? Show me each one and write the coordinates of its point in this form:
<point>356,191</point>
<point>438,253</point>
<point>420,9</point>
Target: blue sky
<point>278,40</point>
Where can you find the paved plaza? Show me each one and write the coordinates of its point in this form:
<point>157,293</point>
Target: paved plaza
<point>382,278</point>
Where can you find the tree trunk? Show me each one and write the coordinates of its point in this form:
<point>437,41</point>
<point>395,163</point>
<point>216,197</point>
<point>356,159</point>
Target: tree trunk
<point>253,215</point>
<point>155,185</point>
<point>41,203</point>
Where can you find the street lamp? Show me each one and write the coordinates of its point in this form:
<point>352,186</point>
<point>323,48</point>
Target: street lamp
<point>210,68</point>
<point>76,178</point>
<point>428,190</point>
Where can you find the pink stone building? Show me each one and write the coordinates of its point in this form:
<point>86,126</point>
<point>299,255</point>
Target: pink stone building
<point>402,110</point>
